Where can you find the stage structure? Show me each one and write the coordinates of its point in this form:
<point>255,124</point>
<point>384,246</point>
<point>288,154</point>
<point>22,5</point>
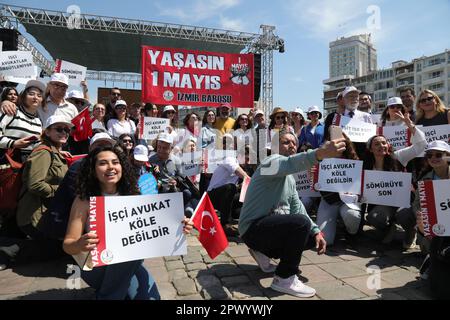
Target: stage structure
<point>110,47</point>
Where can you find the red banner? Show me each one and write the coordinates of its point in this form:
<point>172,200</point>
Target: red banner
<point>196,78</point>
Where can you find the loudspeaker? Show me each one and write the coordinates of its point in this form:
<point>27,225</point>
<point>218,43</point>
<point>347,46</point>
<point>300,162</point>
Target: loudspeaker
<point>10,39</point>
<point>257,75</point>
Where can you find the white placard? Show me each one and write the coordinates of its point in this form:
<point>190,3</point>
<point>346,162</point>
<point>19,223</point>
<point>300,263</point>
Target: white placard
<point>303,185</point>
<point>17,64</point>
<point>340,175</point>
<point>151,127</point>
<point>357,131</point>
<point>397,136</point>
<point>191,163</point>
<point>74,72</point>
<point>387,188</point>
<point>216,157</point>
<point>137,227</point>
<point>435,207</point>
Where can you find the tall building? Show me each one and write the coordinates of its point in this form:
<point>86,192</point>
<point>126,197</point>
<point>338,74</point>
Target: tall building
<point>432,72</point>
<point>353,56</point>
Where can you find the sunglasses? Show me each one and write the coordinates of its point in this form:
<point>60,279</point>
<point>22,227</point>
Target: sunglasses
<point>427,99</point>
<point>120,107</point>
<point>62,129</point>
<point>395,106</point>
<point>127,141</point>
<point>314,112</point>
<point>430,155</point>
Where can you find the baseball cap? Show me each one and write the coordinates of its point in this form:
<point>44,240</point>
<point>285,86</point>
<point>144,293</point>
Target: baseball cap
<point>140,153</point>
<point>438,145</point>
<point>120,103</point>
<point>348,90</point>
<point>101,136</point>
<point>226,105</point>
<point>59,77</point>
<point>258,112</point>
<point>168,108</point>
<point>165,137</point>
<point>57,119</point>
<point>393,101</point>
<point>36,84</point>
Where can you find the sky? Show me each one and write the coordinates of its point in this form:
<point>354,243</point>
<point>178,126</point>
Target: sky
<point>401,30</point>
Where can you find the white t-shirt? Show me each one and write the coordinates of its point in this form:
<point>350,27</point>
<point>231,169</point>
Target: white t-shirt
<point>243,137</point>
<point>224,174</point>
<point>117,128</point>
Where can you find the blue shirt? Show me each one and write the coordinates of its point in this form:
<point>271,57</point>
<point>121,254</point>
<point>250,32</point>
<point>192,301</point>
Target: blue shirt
<point>316,139</point>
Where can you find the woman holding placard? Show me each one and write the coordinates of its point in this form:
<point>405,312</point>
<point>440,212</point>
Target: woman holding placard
<point>380,156</point>
<point>106,172</point>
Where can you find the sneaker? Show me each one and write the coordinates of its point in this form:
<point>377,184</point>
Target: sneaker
<point>264,262</point>
<point>390,234</point>
<point>292,286</point>
<point>11,251</point>
<point>410,239</point>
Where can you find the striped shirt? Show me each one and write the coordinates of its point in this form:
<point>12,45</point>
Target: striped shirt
<point>23,124</point>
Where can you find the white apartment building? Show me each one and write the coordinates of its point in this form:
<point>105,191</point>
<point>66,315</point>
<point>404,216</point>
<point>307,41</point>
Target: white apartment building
<point>432,72</point>
<point>354,56</point>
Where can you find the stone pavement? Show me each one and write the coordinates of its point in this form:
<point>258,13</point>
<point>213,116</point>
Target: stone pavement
<point>342,273</point>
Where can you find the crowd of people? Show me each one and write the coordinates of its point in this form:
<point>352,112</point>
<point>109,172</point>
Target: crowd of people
<point>273,221</point>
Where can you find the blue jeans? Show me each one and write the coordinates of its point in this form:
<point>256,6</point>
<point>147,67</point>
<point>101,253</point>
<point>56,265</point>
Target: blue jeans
<point>127,280</point>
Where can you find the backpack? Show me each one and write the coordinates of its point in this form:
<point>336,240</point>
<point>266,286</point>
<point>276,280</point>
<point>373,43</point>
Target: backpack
<point>11,181</point>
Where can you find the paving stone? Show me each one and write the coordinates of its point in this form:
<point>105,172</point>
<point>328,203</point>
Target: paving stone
<point>337,290</point>
<point>415,294</point>
<point>391,295</point>
<point>43,284</point>
<point>305,261</point>
<point>237,251</point>
<point>362,283</point>
<point>246,263</point>
<point>192,258</point>
<point>314,274</point>
<point>167,291</point>
<point>195,249</point>
<point>323,258</point>
<point>257,298</point>
<point>385,264</point>
<point>185,286</point>
<point>172,258</point>
<point>177,274</point>
<point>18,285</point>
<point>342,269</point>
<point>159,274</point>
<point>401,278</point>
<point>245,292</point>
<point>207,281</point>
<point>197,296</point>
<point>154,262</point>
<point>195,266</point>
<point>174,265</point>
<point>196,273</point>
<point>193,241</point>
<point>234,281</point>
<point>261,279</point>
<point>275,295</point>
<point>216,293</point>
<point>225,270</point>
<point>219,259</point>
<point>52,294</point>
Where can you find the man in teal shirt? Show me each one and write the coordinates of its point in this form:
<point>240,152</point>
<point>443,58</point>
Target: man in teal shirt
<point>273,221</point>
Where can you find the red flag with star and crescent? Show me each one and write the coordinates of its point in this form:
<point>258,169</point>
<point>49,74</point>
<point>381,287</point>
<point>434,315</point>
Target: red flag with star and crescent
<point>211,234</point>
<point>83,125</point>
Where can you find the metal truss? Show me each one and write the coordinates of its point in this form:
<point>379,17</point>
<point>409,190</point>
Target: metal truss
<point>263,44</point>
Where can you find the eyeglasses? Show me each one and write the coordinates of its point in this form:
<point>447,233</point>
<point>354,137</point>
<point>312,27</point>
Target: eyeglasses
<point>430,155</point>
<point>120,107</point>
<point>395,106</point>
<point>60,86</point>
<point>427,99</point>
<point>62,129</point>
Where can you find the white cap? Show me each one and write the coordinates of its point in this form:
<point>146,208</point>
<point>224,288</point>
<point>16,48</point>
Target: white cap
<point>394,101</point>
<point>315,109</point>
<point>75,94</point>
<point>140,153</point>
<point>59,77</point>
<point>439,146</point>
<point>349,89</point>
<point>36,84</point>
<point>57,119</point>
<point>102,136</point>
<point>165,137</point>
<point>168,108</point>
<point>257,112</point>
<point>299,110</point>
<point>120,103</point>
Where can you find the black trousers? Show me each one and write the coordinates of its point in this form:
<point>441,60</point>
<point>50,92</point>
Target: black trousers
<point>222,200</point>
<point>283,237</point>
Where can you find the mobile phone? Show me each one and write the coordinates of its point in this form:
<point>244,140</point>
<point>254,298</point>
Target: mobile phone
<point>32,138</point>
<point>335,132</point>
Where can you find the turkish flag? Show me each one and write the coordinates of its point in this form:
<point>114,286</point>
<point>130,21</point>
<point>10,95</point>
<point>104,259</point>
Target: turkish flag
<point>211,234</point>
<point>83,125</point>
